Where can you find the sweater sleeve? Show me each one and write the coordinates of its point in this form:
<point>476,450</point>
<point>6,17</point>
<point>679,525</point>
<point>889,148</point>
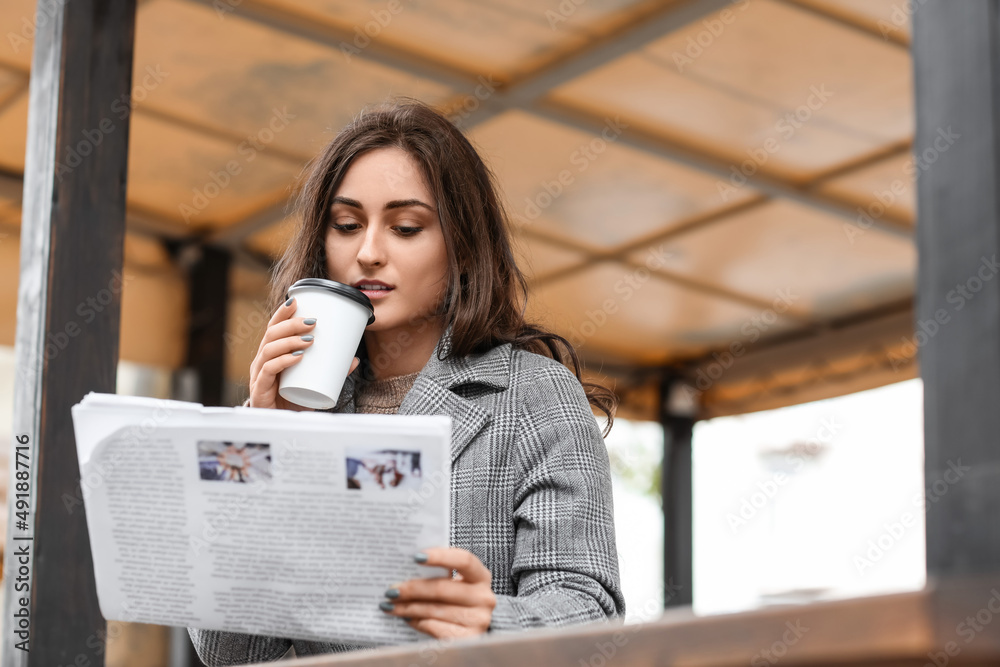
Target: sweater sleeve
<point>565,563</point>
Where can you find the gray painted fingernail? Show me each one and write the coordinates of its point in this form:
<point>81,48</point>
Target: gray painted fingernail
<point>386,606</point>
<point>297,353</point>
<point>392,593</point>
<point>307,338</point>
<point>289,302</point>
<point>311,320</point>
<point>420,557</point>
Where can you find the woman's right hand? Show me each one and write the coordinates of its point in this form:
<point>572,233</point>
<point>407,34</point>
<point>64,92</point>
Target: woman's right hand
<point>282,338</point>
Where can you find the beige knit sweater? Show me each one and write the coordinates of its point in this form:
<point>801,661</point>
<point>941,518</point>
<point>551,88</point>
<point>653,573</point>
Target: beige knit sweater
<point>384,396</point>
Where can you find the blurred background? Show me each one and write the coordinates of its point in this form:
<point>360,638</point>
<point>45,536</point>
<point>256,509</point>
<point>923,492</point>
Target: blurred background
<point>714,201</point>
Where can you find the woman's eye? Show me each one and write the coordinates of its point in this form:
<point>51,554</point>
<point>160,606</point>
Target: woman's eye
<point>408,231</point>
<point>344,227</point>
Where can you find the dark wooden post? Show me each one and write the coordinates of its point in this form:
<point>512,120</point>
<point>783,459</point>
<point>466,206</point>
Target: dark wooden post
<point>68,310</point>
<point>675,491</point>
<point>208,291</point>
<point>956,48</point>
<point>209,297</point>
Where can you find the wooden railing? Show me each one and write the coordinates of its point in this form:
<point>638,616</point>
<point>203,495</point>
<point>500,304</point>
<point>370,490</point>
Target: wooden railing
<point>947,623</point>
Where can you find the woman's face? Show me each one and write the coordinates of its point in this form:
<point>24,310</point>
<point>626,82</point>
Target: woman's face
<point>384,237</point>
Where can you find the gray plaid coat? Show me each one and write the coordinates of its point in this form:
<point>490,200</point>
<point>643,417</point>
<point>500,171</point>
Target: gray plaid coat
<point>531,495</point>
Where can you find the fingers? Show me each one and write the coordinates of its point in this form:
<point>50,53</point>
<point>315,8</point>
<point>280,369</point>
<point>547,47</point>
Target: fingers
<point>283,344</point>
<point>477,618</point>
<point>443,606</point>
<point>465,562</point>
<point>281,326</point>
<point>444,590</point>
<point>284,311</point>
<point>441,629</point>
<point>264,382</point>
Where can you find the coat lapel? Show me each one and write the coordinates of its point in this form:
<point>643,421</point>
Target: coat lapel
<point>433,391</point>
<point>428,397</point>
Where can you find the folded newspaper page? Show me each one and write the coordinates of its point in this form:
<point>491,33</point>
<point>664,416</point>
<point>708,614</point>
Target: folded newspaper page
<point>274,522</point>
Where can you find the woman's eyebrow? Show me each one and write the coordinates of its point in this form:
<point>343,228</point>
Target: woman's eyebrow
<point>396,203</point>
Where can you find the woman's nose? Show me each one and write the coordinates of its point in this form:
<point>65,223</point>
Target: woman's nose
<point>372,250</point>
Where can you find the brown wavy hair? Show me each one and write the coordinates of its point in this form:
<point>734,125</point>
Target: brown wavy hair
<point>487,293</point>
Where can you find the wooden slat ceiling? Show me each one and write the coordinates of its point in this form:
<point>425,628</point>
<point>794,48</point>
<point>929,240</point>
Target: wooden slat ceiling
<point>750,153</point>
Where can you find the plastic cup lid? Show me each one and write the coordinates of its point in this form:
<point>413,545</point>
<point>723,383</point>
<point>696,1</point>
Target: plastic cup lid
<point>352,293</point>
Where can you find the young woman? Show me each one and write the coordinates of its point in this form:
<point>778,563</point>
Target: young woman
<point>401,206</point>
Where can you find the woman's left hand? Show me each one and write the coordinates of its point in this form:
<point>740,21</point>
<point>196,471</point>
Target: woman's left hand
<point>446,607</point>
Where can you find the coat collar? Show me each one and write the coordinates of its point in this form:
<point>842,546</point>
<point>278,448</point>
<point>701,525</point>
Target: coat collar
<point>491,368</point>
<point>433,392</point>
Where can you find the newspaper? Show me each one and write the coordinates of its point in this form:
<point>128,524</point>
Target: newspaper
<point>274,522</point>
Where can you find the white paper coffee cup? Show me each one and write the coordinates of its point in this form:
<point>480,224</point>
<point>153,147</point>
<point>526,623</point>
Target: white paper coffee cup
<point>342,312</point>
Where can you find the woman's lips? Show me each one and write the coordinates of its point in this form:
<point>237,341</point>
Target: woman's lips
<point>374,294</point>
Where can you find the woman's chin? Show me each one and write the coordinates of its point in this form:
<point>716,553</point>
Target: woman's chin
<point>389,321</point>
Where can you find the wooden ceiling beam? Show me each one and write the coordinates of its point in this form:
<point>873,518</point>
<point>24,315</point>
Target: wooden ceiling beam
<point>334,37</point>
<point>11,186</point>
<point>886,152</point>
<point>11,99</point>
<point>236,234</point>
<point>621,252</point>
<point>151,224</point>
<point>528,94</point>
<point>848,21</point>
<point>671,16</point>
<point>527,91</point>
<point>721,169</point>
<point>218,134</point>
